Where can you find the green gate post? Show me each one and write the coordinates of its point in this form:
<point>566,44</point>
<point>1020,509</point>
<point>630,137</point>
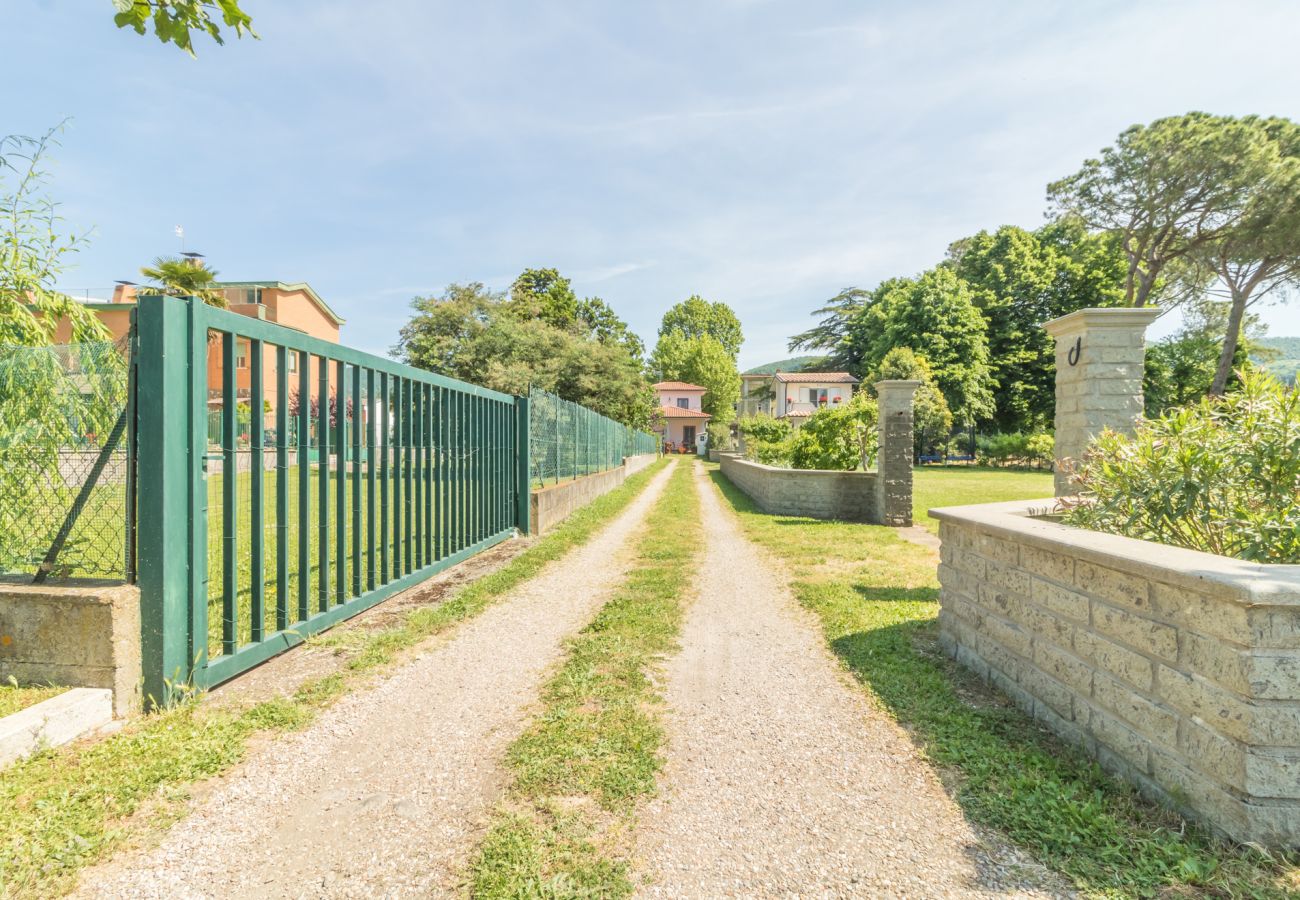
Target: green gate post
<point>167,517</point>
<point>522,449</point>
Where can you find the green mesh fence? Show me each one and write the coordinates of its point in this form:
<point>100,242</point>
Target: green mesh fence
<point>63,460</point>
<point>567,441</point>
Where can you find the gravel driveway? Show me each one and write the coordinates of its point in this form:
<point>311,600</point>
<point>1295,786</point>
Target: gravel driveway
<point>782,778</point>
<point>387,792</point>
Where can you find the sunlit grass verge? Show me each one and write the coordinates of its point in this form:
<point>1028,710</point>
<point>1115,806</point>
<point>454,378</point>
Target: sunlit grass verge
<point>15,698</point>
<point>876,597</point>
<point>595,748</point>
<point>64,809</point>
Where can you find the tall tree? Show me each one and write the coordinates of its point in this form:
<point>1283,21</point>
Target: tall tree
<point>604,325</point>
<point>1166,190</point>
<point>547,295</point>
<point>1020,279</point>
<point>697,317</point>
<point>178,277</point>
<point>175,21</point>
<point>935,317</point>
<point>477,335</point>
<point>1180,368</point>
<point>930,412</point>
<point>834,333</point>
<point>1261,255</point>
<point>34,250</point>
<point>701,360</point>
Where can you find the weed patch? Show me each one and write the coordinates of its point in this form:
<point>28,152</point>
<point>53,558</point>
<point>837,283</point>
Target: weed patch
<point>877,599</point>
<point>596,747</point>
<point>67,808</point>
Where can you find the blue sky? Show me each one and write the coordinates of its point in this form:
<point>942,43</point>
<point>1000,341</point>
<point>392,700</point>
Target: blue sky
<point>759,152</point>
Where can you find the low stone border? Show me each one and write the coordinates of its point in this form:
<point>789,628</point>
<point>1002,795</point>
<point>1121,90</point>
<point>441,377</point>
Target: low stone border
<point>551,505</point>
<point>50,723</point>
<point>1177,670</point>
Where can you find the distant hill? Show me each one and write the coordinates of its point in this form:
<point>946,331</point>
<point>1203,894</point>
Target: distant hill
<point>1285,361</point>
<point>794,364</point>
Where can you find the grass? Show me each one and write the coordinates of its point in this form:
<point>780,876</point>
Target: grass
<point>15,697</point>
<point>933,486</point>
<point>876,598</point>
<point>70,807</point>
<point>595,748</point>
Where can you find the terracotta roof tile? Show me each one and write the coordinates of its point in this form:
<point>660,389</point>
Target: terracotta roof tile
<point>677,386</point>
<point>817,377</point>
<point>676,412</point>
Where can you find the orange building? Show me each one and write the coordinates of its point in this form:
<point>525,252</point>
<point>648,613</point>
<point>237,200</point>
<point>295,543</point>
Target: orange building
<point>295,306</point>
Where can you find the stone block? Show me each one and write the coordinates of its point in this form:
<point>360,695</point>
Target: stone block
<point>1137,632</point>
<point>1054,566</point>
<point>1109,584</point>
<point>1064,667</point>
<point>1060,600</point>
<point>1119,738</point>
<point>1157,722</point>
<point>1043,623</point>
<point>1119,661</point>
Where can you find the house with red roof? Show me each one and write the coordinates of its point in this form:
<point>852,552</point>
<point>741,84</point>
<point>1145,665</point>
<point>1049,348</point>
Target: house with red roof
<point>680,417</point>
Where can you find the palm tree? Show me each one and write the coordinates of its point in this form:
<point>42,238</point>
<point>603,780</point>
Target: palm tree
<point>184,278</point>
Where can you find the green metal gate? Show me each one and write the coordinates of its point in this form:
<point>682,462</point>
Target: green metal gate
<point>252,536</point>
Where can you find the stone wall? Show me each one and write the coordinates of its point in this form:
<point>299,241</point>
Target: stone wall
<point>551,505</point>
<point>1177,670</point>
<point>817,494</point>
<point>79,635</point>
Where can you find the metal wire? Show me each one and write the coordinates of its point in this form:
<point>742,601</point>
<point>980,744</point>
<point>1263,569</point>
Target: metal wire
<point>568,441</point>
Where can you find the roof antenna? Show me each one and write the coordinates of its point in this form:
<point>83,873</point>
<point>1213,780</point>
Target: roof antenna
<point>180,233</point>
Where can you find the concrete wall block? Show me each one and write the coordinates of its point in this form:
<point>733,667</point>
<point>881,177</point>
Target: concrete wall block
<point>1274,676</point>
<point>1044,624</point>
<point>1274,628</point>
<point>1064,667</point>
<point>996,549</point>
<point>1202,612</point>
<point>1119,738</point>
<point>1118,587</point>
<point>1223,663</point>
<point>1007,576</point>
<point>1044,563</point>
<point>1007,634</point>
<point>1207,751</point>
<point>997,600</point>
<point>1272,773</point>
<point>1198,795</point>
<point>1154,720</point>
<point>1048,691</point>
<point>1193,696</point>
<point>1137,632</point>
<point>1060,600</point>
<point>1106,655</point>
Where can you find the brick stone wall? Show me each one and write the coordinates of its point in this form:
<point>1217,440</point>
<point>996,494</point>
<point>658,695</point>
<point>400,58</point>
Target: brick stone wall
<point>1177,670</point>
<point>817,494</point>
<point>78,635</point>
<point>553,504</point>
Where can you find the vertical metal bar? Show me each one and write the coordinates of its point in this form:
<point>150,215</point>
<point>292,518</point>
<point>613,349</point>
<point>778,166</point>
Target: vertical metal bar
<point>132,457</point>
<point>439,470</point>
<point>257,517</point>
<point>229,496</point>
<point>281,488</point>
<point>323,486</point>
<point>385,433</point>
<point>398,414</point>
<point>371,459</point>
<point>430,554</point>
<point>407,450</point>
<point>304,485</point>
<point>171,531</point>
<point>522,484</point>
<point>465,481</point>
<point>417,455</point>
<point>453,484</point>
<point>340,482</point>
<point>354,472</point>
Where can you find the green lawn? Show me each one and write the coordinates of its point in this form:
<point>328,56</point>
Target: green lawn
<point>15,698</point>
<point>876,597</point>
<point>68,807</point>
<point>934,486</point>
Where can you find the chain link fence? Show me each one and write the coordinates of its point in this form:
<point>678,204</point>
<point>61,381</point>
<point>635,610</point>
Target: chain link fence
<point>567,441</point>
<point>63,460</point>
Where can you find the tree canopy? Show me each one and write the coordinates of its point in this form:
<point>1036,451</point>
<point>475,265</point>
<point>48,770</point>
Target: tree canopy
<point>175,21</point>
<point>701,360</point>
<point>481,336</point>
<point>696,317</point>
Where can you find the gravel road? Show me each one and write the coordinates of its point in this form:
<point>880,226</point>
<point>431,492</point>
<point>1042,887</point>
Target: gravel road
<point>388,791</point>
<point>782,778</point>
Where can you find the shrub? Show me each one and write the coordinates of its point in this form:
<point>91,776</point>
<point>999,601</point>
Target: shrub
<point>838,437</point>
<point>719,436</point>
<point>1015,449</point>
<point>1221,476</point>
<point>767,440</point>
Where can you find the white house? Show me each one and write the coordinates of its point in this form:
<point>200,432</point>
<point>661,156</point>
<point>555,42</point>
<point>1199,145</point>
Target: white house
<point>681,417</point>
<point>793,396</point>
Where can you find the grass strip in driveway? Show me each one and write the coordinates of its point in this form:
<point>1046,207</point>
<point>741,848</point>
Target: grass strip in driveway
<point>596,745</point>
<point>64,809</point>
<point>877,599</point>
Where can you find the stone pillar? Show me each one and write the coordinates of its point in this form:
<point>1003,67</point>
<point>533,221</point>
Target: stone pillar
<point>1100,354</point>
<point>894,456</point>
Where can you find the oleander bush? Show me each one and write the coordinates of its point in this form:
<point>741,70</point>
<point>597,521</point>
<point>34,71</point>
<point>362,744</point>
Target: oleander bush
<point>1221,476</point>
